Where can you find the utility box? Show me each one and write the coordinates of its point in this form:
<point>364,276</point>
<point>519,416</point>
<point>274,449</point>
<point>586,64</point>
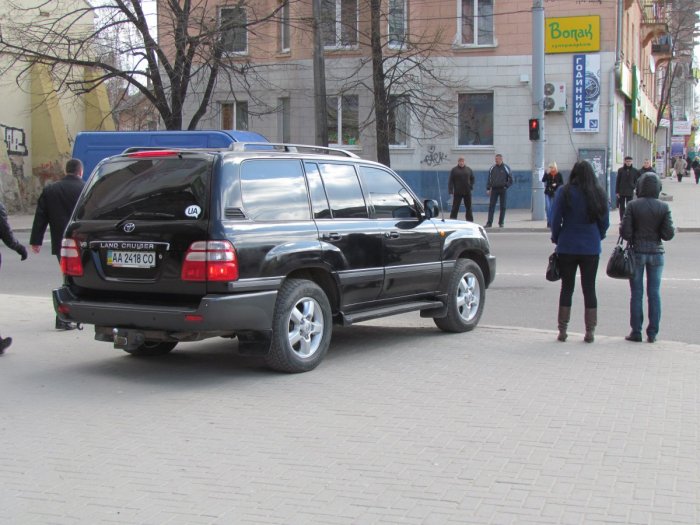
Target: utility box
<point>555,96</point>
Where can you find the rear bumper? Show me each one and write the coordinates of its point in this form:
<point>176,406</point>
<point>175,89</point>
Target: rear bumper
<point>214,313</point>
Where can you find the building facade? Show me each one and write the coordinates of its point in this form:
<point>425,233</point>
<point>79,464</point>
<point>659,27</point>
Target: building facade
<point>459,80</point>
<point>38,118</point>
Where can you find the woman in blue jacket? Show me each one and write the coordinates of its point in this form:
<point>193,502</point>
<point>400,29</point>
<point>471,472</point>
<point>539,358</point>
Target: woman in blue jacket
<point>580,220</point>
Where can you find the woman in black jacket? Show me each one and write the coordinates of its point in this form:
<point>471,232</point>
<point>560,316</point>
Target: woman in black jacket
<point>552,180</point>
<point>646,223</point>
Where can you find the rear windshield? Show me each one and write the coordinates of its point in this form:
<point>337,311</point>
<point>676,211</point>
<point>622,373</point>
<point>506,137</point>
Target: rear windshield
<point>148,188</point>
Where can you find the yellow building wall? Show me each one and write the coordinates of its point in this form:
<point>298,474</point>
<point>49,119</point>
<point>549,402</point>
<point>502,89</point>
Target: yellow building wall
<point>98,115</point>
<point>50,144</point>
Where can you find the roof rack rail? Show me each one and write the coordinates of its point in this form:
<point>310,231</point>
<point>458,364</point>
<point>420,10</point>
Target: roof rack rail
<point>290,148</point>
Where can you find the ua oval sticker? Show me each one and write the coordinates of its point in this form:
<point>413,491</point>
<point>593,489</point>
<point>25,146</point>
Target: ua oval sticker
<point>193,211</point>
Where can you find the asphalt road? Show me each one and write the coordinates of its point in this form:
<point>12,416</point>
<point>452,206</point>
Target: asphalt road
<point>520,296</point>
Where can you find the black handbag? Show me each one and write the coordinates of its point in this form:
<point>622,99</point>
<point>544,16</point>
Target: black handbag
<point>621,262</point>
<point>552,273</point>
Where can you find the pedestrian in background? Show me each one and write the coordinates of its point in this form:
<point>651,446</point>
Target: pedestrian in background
<point>646,224</point>
<point>8,237</point>
<point>552,180</point>
<point>646,167</point>
<point>625,184</point>
<point>680,167</point>
<point>696,169</point>
<point>54,209</point>
<point>460,185</point>
<point>499,180</point>
<point>580,221</point>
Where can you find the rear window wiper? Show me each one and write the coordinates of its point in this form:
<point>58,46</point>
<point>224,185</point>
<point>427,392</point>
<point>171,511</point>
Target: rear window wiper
<point>147,215</point>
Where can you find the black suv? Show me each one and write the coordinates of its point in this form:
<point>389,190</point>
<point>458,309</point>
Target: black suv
<point>269,244</point>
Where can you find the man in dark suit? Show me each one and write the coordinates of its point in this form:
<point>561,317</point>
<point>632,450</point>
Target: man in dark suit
<point>460,185</point>
<point>53,209</point>
<point>625,184</point>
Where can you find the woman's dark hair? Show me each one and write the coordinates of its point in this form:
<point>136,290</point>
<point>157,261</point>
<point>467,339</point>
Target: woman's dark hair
<point>584,178</point>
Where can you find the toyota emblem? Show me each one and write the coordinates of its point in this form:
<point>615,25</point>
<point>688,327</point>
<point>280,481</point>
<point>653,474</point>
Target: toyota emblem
<point>129,227</point>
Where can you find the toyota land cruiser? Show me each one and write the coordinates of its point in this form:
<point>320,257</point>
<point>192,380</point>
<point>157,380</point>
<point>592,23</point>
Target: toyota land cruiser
<point>270,245</point>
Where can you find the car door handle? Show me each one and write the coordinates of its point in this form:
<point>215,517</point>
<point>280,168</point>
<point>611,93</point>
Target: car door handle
<point>392,235</point>
<point>331,236</point>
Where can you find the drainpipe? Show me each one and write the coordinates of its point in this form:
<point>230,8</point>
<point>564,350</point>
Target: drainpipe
<point>612,117</point>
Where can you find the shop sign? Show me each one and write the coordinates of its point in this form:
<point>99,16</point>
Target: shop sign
<point>572,34</point>
<point>587,91</point>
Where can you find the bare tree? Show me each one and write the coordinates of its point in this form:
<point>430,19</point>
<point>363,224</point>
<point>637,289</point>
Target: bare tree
<point>683,21</point>
<point>402,75</point>
<point>193,51</point>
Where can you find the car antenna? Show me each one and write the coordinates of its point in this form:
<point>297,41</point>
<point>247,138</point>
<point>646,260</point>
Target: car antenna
<point>442,208</point>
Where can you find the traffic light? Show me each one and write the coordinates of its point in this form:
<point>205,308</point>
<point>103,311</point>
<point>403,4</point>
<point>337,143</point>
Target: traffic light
<point>534,129</point>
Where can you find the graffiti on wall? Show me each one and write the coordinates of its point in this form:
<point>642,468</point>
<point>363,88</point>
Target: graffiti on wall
<point>15,140</point>
<point>433,157</point>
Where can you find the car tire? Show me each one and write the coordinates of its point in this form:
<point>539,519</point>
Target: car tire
<point>151,349</point>
<point>466,295</point>
<point>301,327</point>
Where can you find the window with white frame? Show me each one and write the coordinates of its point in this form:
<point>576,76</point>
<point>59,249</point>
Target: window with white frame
<point>476,22</point>
<point>475,119</point>
<point>234,115</point>
<point>284,27</point>
<point>343,120</point>
<point>398,120</point>
<point>284,110</point>
<point>234,33</point>
<point>339,23</point>
<point>396,18</point>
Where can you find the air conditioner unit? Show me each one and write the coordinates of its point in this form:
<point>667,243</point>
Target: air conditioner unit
<point>555,96</point>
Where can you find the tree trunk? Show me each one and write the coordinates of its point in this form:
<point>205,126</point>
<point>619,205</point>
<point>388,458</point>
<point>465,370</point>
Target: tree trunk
<point>321,122</point>
<point>381,107</point>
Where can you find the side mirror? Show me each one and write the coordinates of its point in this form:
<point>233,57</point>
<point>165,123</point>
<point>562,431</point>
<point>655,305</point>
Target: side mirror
<point>432,208</point>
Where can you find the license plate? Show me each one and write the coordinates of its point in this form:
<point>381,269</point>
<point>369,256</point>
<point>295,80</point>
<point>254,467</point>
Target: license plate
<point>121,259</point>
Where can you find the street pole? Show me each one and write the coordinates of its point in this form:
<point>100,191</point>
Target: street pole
<point>538,108</point>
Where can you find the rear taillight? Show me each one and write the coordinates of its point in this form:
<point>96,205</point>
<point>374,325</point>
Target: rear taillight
<point>210,261</point>
<point>147,154</point>
<point>70,258</point>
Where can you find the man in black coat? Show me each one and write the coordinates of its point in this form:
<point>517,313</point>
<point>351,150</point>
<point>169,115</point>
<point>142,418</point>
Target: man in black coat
<point>499,180</point>
<point>460,186</point>
<point>53,209</point>
<point>55,206</point>
<point>625,185</point>
<point>8,237</point>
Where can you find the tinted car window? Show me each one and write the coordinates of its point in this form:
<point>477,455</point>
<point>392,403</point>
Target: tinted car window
<point>386,195</point>
<point>159,188</point>
<point>319,201</point>
<point>343,190</point>
<point>274,190</point>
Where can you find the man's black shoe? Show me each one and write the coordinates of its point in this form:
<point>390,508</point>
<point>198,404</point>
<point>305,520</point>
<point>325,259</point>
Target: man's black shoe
<point>64,325</point>
<point>487,225</point>
<point>4,344</point>
<point>651,339</point>
<point>634,338</point>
